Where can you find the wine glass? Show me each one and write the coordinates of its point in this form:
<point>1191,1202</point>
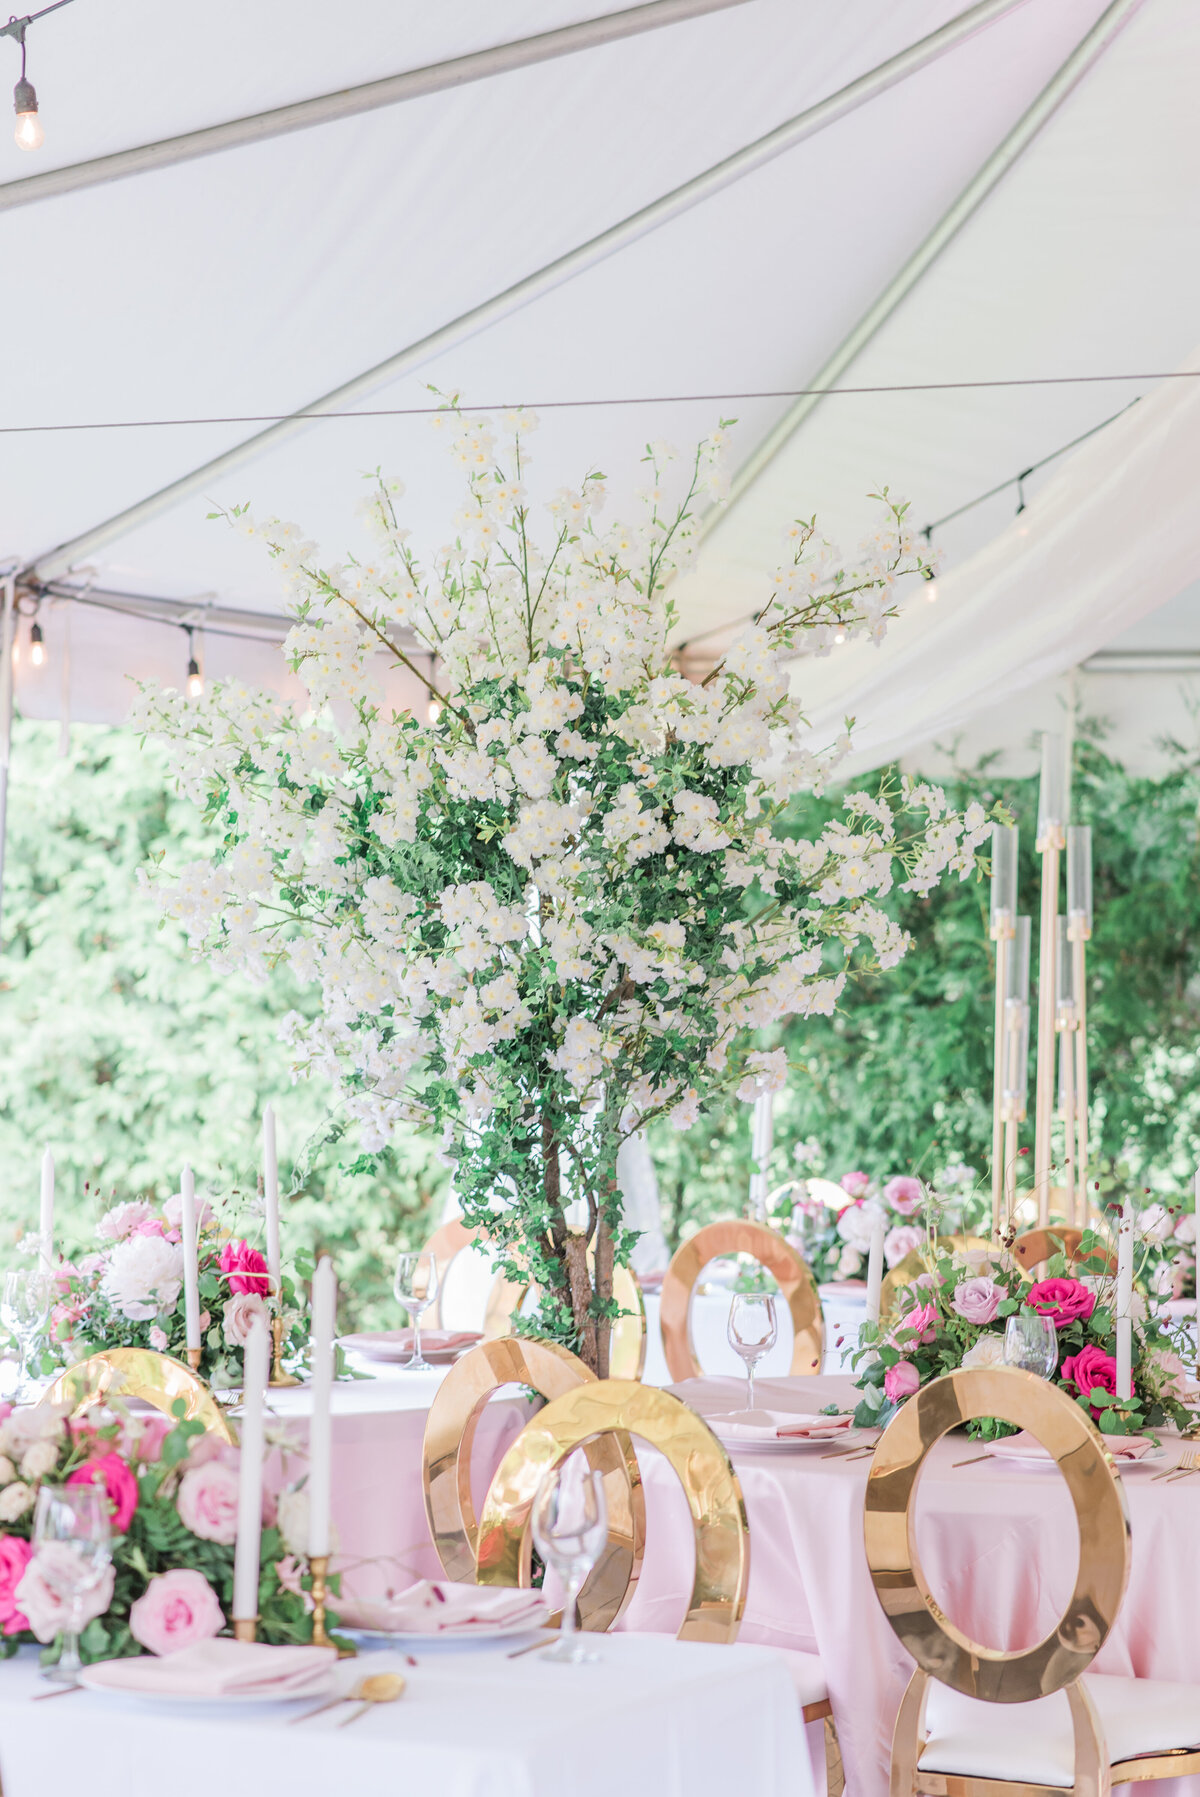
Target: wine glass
<point>72,1538</point>
<point>25,1311</point>
<point>416,1287</point>
<point>1031,1341</point>
<point>752,1329</point>
<point>570,1527</point>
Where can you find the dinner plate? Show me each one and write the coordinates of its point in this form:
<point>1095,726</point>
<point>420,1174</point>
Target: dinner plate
<point>784,1444</point>
<point>320,1686</point>
<point>459,1638</point>
<point>439,1347</point>
<point>1012,1449</point>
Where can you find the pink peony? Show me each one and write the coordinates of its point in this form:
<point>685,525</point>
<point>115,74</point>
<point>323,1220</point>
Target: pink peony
<point>120,1484</point>
<point>47,1591</point>
<point>900,1381</point>
<point>977,1300</point>
<point>173,1211</point>
<point>855,1184</point>
<point>923,1318</point>
<point>1066,1301</point>
<point>151,1226</point>
<point>901,1241</point>
<point>124,1220</point>
<point>244,1267</point>
<point>903,1194</point>
<point>15,1556</point>
<point>207,1501</point>
<point>177,1609</point>
<point>1089,1369</point>
<point>240,1313</point>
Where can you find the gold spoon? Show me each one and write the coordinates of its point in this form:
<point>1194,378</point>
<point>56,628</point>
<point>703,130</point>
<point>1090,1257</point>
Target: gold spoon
<point>381,1687</point>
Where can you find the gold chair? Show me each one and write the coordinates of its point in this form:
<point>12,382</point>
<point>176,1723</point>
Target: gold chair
<point>445,1245</point>
<point>1036,1246</point>
<point>994,1723</point>
<point>627,1345</point>
<point>736,1236</point>
<point>457,1406</point>
<point>156,1379</point>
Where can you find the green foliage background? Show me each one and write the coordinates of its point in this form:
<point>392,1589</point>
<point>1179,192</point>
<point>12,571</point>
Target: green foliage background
<point>127,1057</point>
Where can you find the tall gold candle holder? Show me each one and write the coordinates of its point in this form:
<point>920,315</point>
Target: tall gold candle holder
<point>1051,840</point>
<point>318,1565</point>
<point>1003,932</point>
<point>279,1376</point>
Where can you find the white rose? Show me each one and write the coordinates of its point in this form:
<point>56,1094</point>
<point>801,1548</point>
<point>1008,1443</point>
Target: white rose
<point>987,1351</point>
<point>856,1225</point>
<point>39,1460</point>
<point>849,1263</point>
<point>14,1501</point>
<point>240,1313</point>
<point>144,1276</point>
<point>1155,1223</point>
<point>293,1520</point>
<point>8,1471</point>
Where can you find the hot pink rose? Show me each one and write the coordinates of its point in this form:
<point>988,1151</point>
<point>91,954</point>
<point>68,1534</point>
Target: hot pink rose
<point>15,1556</point>
<point>207,1501</point>
<point>977,1300</point>
<point>855,1183</point>
<point>121,1485</point>
<point>1066,1301</point>
<point>148,1435</point>
<point>903,1194</point>
<point>177,1609</point>
<point>1090,1369</point>
<point>900,1381</point>
<point>245,1268</point>
<point>47,1591</point>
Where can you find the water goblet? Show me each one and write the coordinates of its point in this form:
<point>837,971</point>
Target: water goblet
<point>25,1311</point>
<point>752,1329</point>
<point>416,1287</point>
<point>1031,1341</point>
<point>570,1527</point>
<point>72,1538</point>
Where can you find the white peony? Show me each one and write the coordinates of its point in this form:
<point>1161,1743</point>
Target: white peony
<point>144,1276</point>
<point>987,1351</point>
<point>856,1225</point>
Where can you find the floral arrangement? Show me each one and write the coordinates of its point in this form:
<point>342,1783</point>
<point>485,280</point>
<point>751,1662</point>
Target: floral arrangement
<point>954,1315</point>
<point>173,1498</point>
<point>555,897</point>
<point>835,1238</point>
<point>128,1293</point>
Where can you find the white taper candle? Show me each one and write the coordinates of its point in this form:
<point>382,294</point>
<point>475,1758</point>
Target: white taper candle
<point>250,1475</point>
<point>1125,1302</point>
<point>875,1271</point>
<point>320,1429</point>
<point>271,1198</point>
<point>46,1215</point>
<point>191,1264</point>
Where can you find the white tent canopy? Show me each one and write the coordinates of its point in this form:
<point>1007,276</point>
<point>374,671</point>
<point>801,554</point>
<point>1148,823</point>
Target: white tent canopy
<point>251,282</point>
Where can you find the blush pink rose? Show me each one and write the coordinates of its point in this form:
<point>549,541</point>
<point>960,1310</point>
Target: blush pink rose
<point>923,1318</point>
<point>900,1381</point>
<point>159,1340</point>
<point>245,1268</point>
<point>47,1591</point>
<point>177,1609</point>
<point>207,1501</point>
<point>977,1300</point>
<point>855,1184</point>
<point>148,1435</point>
<point>121,1485</point>
<point>903,1194</point>
<point>1066,1301</point>
<point>15,1556</point>
<point>240,1314</point>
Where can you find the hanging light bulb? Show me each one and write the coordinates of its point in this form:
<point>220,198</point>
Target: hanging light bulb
<point>37,645</point>
<point>28,133</point>
<point>195,679</point>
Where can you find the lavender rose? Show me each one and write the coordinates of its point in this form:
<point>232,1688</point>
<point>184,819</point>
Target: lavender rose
<point>977,1300</point>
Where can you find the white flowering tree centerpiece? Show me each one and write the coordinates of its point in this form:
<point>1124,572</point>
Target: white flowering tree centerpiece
<point>557,898</point>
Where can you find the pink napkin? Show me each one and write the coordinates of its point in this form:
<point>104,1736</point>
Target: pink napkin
<point>441,1608</point>
<point>1025,1446</point>
<point>778,1425</point>
<point>221,1668</point>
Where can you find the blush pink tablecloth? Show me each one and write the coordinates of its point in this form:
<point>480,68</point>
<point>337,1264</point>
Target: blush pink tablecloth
<point>999,1545</point>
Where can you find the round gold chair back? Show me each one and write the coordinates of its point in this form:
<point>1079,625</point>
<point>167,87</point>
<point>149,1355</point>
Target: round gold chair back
<point>445,1245</point>
<point>627,1345</point>
<point>940,1649</point>
<point>614,1410</point>
<point>907,1271</point>
<point>737,1236</point>
<point>458,1404</point>
<point>156,1379</point>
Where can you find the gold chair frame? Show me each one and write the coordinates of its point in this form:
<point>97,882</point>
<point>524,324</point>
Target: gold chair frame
<point>944,1652</point>
<point>735,1235</point>
<point>458,1403</point>
<point>445,1245</point>
<point>156,1379</point>
<point>1036,1246</point>
<point>627,1346</point>
<point>616,1409</point>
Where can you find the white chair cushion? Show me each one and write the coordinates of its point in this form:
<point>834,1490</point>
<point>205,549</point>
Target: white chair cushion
<point>1034,1743</point>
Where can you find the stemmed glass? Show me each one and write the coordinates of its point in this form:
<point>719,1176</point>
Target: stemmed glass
<point>416,1287</point>
<point>25,1311</point>
<point>72,1538</point>
<point>570,1527</point>
<point>1031,1341</point>
<point>753,1330</point>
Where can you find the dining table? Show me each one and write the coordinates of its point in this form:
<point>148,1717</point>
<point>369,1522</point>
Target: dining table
<point>998,1542</point>
<point>649,1717</point>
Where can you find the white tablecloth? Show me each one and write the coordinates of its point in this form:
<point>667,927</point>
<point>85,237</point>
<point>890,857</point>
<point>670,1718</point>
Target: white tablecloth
<point>655,1717</point>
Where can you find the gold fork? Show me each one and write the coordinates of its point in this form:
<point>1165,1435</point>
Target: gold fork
<point>1188,1464</point>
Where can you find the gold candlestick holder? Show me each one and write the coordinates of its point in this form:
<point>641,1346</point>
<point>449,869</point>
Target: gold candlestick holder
<point>278,1376</point>
<point>318,1565</point>
<point>193,1355</point>
<point>245,1628</point>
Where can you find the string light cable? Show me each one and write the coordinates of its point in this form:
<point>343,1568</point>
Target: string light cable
<point>29,134</point>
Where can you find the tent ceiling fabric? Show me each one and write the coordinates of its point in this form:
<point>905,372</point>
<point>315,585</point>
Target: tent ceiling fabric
<point>253,280</point>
